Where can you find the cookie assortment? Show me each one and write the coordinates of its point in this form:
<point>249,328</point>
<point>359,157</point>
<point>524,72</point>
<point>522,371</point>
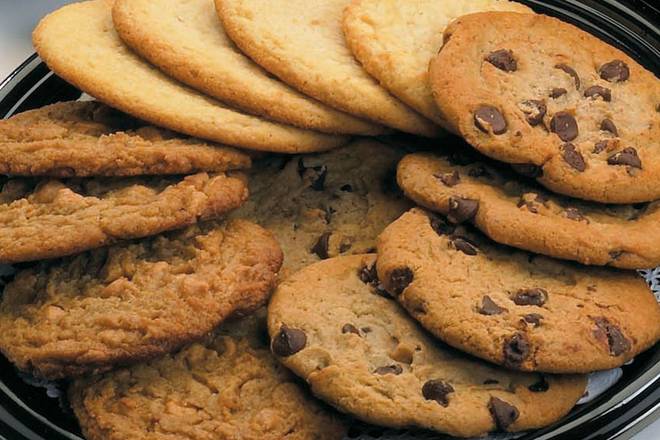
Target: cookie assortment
<point>146,257</point>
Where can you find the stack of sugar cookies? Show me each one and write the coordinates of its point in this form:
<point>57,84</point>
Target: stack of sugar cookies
<point>142,276</point>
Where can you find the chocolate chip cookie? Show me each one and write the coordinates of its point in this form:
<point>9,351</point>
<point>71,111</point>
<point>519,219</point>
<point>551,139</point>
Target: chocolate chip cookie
<point>534,91</point>
<point>82,139</point>
<point>329,204</point>
<point>228,387</point>
<point>362,353</point>
<point>48,218</point>
<point>134,301</point>
<point>519,213</point>
<point>512,308</point>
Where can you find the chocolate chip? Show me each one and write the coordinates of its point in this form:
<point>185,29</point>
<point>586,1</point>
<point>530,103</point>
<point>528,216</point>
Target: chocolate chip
<point>400,278</point>
<point>487,118</point>
<point>568,69</point>
<point>516,350</point>
<point>558,92</point>
<point>288,341</point>
<point>540,387</point>
<point>490,381</point>
<point>627,157</point>
<point>350,328</point>
<point>503,413</point>
<point>575,214</point>
<point>462,209</point>
<point>464,246</point>
<point>449,179</point>
<point>441,227</point>
<point>437,390</point>
<point>617,342</point>
<point>368,275</point>
<point>600,146</point>
<point>534,111</point>
<point>316,175</point>
<point>528,170</point>
<point>321,246</point>
<point>503,59</point>
<point>573,157</point>
<point>564,125</point>
<point>533,318</point>
<point>598,92</point>
<point>535,296</point>
<point>614,71</point>
<point>608,125</point>
<point>346,188</point>
<point>390,369</point>
<point>489,307</point>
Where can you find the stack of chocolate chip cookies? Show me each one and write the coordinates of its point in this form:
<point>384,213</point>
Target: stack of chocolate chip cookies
<point>429,211</point>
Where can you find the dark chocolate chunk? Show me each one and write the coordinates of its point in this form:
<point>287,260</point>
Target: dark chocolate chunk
<point>346,188</point>
<point>564,125</point>
<point>614,71</point>
<point>288,341</point>
<point>558,92</point>
<point>503,413</point>
<point>540,387</point>
<point>390,369</point>
<point>368,275</point>
<point>400,278</point>
<point>437,390</point>
<point>461,209</point>
<point>616,340</point>
<point>516,350</point>
<point>528,170</point>
<point>573,157</point>
<point>628,156</point>
<point>503,59</point>
<point>315,175</point>
<point>350,328</point>
<point>608,125</point>
<point>463,245</point>
<point>487,118</point>
<point>600,146</point>
<point>489,307</point>
<point>533,318</point>
<point>598,92</point>
<point>534,111</point>
<point>440,226</point>
<point>535,296</point>
<point>568,69</point>
<point>449,179</point>
<point>321,246</point>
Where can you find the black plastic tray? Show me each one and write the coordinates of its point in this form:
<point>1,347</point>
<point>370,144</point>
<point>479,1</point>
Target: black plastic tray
<point>26,412</point>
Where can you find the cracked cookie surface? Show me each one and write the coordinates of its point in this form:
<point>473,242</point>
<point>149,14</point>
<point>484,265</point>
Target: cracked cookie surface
<point>363,354</point>
<point>48,218</point>
<point>513,308</point>
<point>135,301</point>
<point>522,214</point>
<point>531,90</point>
<point>229,386</point>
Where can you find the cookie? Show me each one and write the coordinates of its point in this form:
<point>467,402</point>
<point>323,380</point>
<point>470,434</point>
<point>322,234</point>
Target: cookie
<point>51,218</point>
<point>512,308</point>
<point>362,353</point>
<point>531,90</point>
<point>95,60</point>
<point>395,41</point>
<point>134,301</point>
<point>302,43</point>
<point>329,204</point>
<point>81,139</point>
<point>519,213</point>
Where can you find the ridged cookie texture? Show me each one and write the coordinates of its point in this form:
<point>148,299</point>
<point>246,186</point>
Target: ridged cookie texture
<point>135,301</point>
<point>520,213</point>
<point>328,204</point>
<point>48,218</point>
<point>580,115</point>
<point>395,41</point>
<point>81,139</point>
<point>362,353</point>
<point>520,310</point>
<point>94,59</point>
<point>186,40</point>
<point>302,43</point>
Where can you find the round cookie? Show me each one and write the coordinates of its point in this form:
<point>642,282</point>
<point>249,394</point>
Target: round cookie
<point>328,204</point>
<point>134,301</point>
<point>512,308</point>
<point>395,41</point>
<point>362,353</point>
<point>580,115</point>
<point>520,214</point>
<point>217,388</point>
<point>52,218</point>
<point>302,43</point>
<point>95,60</point>
<point>186,40</point>
<point>90,139</point>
